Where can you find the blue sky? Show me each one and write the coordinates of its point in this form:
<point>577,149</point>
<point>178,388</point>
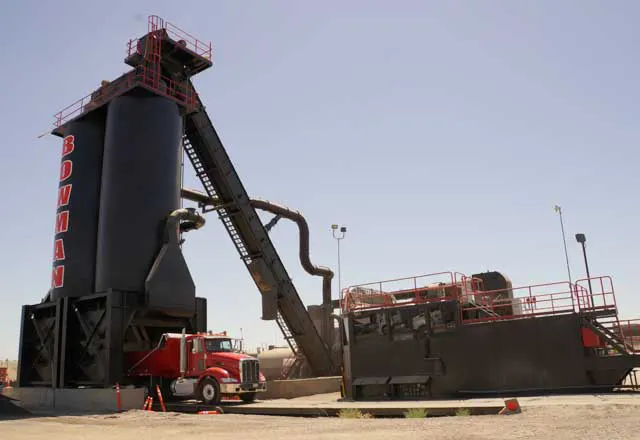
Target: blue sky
<point>441,133</point>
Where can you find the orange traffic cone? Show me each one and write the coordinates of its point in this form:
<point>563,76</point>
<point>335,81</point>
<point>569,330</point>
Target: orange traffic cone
<point>511,406</point>
<point>118,398</point>
<point>148,403</point>
<point>216,410</point>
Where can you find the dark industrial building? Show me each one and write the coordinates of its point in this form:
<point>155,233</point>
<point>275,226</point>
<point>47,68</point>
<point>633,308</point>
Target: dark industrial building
<point>479,336</point>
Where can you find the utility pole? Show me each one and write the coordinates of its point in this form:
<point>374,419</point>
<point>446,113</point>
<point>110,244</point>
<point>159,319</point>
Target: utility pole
<point>339,233</point>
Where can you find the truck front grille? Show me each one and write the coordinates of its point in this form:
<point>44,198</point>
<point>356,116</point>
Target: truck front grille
<point>249,370</point>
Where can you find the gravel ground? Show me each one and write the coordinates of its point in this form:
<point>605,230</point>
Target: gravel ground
<point>609,422</point>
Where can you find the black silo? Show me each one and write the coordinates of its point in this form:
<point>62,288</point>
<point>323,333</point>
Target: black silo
<point>74,252</point>
<point>140,188</point>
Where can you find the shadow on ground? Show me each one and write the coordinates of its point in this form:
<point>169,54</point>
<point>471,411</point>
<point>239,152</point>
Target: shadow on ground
<point>9,410</point>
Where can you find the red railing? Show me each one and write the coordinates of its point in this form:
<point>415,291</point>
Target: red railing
<point>629,331</point>
<point>596,294</point>
<point>545,299</point>
<point>95,98</point>
<point>179,92</point>
<point>526,301</point>
<point>148,75</point>
<point>471,284</point>
<point>438,286</point>
<point>588,295</point>
<point>200,48</point>
<point>72,110</point>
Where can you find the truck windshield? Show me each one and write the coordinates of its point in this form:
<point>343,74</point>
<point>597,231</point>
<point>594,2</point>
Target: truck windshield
<point>218,345</point>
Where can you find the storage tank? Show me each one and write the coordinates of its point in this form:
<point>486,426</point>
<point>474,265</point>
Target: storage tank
<point>140,187</point>
<point>74,250</point>
<point>501,293</point>
<point>274,361</point>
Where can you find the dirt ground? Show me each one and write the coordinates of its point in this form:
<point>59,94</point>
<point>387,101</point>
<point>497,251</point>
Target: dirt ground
<point>553,422</point>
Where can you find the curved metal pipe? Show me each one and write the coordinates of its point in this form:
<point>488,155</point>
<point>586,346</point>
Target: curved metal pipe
<point>305,259</point>
<point>303,227</point>
<point>184,220</point>
<point>198,196</point>
<point>297,217</point>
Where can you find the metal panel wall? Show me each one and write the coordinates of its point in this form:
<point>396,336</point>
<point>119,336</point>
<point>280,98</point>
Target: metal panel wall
<point>140,188</point>
<point>76,228</point>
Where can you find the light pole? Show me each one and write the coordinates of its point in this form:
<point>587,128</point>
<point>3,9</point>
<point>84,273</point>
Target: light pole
<point>558,209</point>
<point>582,239</point>
<point>339,233</point>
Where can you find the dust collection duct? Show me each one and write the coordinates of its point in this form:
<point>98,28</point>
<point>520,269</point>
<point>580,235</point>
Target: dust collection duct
<point>326,328</point>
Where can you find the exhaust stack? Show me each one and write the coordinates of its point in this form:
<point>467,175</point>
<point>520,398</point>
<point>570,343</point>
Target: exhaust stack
<point>183,354</point>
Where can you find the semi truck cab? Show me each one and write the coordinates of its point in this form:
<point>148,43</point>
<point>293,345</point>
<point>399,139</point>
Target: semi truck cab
<point>204,366</point>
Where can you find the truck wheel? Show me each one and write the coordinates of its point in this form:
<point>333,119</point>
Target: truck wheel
<point>209,391</point>
<point>248,397</point>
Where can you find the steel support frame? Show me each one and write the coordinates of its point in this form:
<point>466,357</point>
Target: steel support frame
<point>40,340</point>
<point>93,335</point>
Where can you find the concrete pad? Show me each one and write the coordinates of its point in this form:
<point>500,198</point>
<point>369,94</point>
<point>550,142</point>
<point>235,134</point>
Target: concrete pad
<point>76,400</point>
<point>330,405</point>
<point>289,389</point>
<point>621,398</point>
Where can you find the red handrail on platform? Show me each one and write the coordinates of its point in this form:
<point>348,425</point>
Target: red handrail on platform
<point>200,48</point>
<point>601,298</point>
<point>512,303</point>
<point>182,94</point>
<point>629,330</point>
<point>147,74</point>
<point>384,293</point>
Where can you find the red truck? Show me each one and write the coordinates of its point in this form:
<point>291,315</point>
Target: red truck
<point>203,366</point>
